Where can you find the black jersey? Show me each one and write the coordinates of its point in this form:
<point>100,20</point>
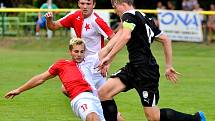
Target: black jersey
<point>143,34</point>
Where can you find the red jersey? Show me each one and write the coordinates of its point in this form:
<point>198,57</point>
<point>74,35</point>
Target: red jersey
<point>92,29</point>
<point>71,77</point>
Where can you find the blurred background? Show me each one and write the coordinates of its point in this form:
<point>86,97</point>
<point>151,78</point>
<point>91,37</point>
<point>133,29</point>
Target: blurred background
<point>23,54</point>
<point>24,22</point>
<point>101,4</point>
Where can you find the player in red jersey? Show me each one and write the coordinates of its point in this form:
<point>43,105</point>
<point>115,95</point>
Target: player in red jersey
<point>76,76</point>
<point>88,25</point>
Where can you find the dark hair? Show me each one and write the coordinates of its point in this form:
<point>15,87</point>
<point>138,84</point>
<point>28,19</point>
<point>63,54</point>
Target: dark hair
<point>94,1</point>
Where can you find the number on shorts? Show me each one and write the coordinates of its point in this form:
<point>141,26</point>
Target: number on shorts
<point>84,107</point>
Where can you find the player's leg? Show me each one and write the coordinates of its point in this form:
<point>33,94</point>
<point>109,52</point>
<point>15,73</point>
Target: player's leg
<point>92,117</point>
<point>117,83</point>
<point>112,87</point>
<point>120,117</point>
<point>149,99</point>
<point>109,106</point>
<point>40,24</point>
<point>109,110</point>
<point>87,107</point>
<point>146,84</point>
<point>212,32</point>
<point>106,92</point>
<point>167,114</point>
<point>209,34</point>
<point>153,113</point>
<point>147,88</point>
<point>37,29</point>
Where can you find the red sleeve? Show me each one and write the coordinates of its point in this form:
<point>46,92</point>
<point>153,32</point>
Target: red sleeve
<point>103,25</point>
<point>67,21</point>
<point>53,69</point>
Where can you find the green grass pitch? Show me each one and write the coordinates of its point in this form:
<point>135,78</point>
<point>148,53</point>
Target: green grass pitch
<point>22,58</point>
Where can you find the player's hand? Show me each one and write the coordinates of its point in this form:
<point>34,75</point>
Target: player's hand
<point>104,62</point>
<point>49,15</point>
<point>171,74</point>
<point>12,94</point>
<point>104,70</point>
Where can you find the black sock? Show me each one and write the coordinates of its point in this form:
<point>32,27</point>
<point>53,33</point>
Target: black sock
<point>109,110</point>
<point>167,114</point>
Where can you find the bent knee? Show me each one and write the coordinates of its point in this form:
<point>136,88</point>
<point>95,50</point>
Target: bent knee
<point>153,118</point>
<point>153,114</point>
<point>103,95</point>
<point>92,117</point>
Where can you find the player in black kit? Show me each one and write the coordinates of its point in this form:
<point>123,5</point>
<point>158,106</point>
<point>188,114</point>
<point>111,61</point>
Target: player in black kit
<point>142,72</point>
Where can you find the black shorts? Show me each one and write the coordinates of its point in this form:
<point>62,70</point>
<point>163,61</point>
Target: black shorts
<point>144,79</point>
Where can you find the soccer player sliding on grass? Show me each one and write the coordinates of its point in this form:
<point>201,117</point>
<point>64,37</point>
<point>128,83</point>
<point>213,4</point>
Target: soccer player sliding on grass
<point>88,25</point>
<point>142,72</point>
<point>76,76</point>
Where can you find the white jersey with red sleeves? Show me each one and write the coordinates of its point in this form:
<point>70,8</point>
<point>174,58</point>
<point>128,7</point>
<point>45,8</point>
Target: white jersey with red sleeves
<point>92,29</point>
<point>71,77</point>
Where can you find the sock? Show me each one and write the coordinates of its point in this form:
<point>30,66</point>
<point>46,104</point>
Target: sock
<point>37,33</point>
<point>167,114</point>
<point>109,110</point>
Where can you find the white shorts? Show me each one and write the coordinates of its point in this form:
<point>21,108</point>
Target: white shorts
<point>86,103</point>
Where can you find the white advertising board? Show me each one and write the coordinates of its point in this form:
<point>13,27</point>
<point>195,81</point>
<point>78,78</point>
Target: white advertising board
<point>181,25</point>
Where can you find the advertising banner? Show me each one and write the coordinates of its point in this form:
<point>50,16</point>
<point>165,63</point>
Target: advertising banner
<point>181,25</point>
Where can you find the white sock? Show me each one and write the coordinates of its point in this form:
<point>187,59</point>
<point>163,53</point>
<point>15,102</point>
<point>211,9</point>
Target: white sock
<point>37,33</point>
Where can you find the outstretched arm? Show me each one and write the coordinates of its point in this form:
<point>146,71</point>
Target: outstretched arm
<point>122,37</point>
<point>52,25</point>
<point>105,50</point>
<point>170,72</point>
<point>33,82</point>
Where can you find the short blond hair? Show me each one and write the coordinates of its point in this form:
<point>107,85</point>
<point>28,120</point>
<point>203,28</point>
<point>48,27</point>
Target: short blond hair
<point>75,41</point>
<point>129,2</point>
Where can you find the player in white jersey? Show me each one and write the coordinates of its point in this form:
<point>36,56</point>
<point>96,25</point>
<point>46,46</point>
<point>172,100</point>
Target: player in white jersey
<point>74,75</point>
<point>85,65</point>
<point>89,26</point>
